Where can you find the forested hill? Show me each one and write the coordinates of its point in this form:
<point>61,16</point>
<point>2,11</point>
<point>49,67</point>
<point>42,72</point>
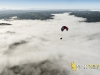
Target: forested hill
<point>41,15</point>
<point>91,16</point>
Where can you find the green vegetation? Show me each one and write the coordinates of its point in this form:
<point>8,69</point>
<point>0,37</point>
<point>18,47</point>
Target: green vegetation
<point>41,15</point>
<point>91,16</point>
<point>29,15</point>
<point>1,24</point>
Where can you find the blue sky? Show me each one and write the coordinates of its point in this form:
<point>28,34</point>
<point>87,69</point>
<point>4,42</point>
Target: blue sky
<point>49,4</point>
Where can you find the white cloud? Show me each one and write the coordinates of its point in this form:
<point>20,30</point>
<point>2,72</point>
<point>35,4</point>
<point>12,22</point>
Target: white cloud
<point>37,44</point>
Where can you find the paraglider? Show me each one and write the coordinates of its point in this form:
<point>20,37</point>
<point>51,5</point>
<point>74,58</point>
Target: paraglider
<point>64,28</point>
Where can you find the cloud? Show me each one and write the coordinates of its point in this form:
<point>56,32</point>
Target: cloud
<point>35,46</point>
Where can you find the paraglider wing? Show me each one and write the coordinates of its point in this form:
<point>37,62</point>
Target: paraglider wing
<point>63,28</point>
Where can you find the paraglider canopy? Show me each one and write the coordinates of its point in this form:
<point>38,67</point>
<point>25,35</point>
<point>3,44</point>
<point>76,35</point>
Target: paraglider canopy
<point>64,28</point>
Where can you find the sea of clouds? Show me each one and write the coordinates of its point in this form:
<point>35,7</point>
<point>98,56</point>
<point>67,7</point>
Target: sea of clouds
<point>33,47</point>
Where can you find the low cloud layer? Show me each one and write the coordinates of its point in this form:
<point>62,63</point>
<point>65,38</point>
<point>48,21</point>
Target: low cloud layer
<point>33,47</point>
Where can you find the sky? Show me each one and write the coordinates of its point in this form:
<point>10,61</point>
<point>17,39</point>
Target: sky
<point>49,4</point>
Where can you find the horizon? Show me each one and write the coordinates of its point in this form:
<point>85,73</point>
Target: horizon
<point>49,4</point>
